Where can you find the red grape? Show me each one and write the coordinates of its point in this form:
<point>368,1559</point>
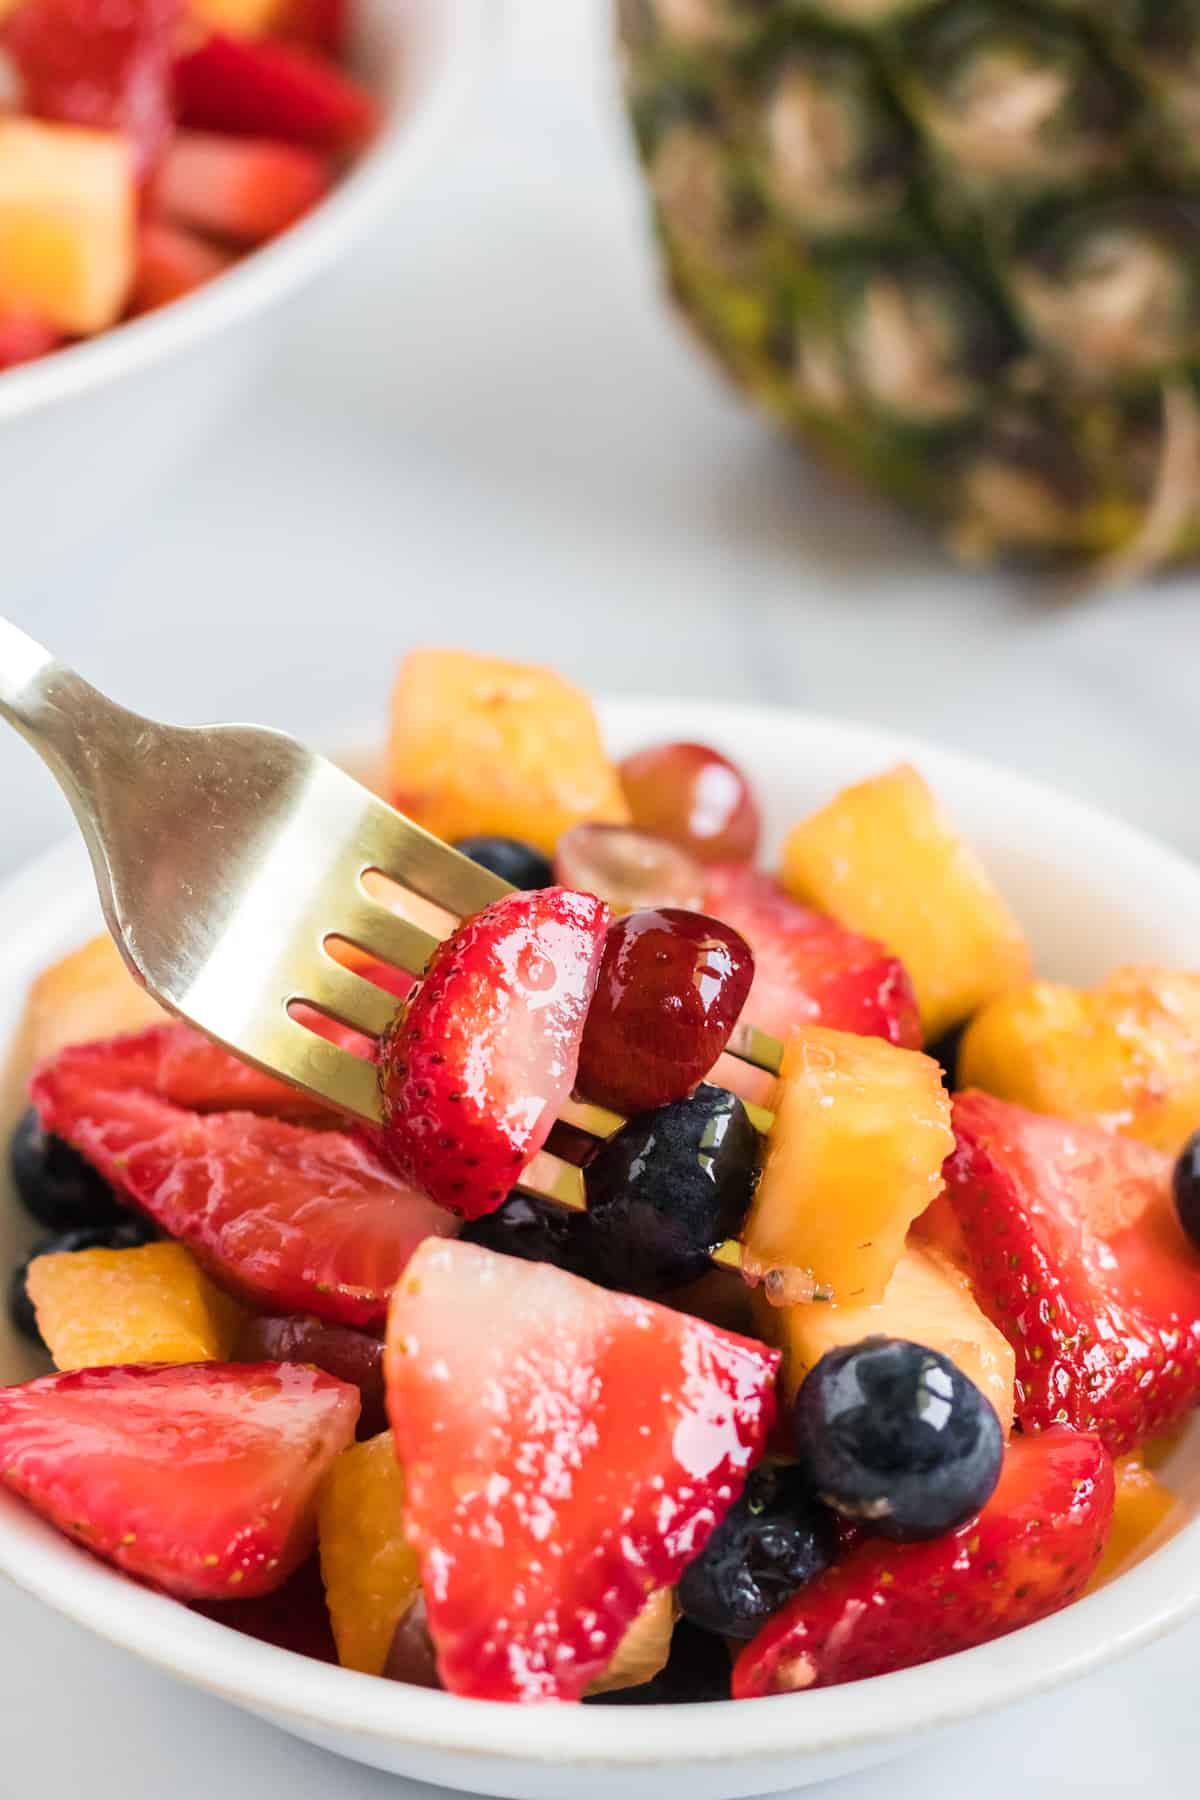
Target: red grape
<point>694,797</point>
<point>627,869</point>
<point>351,1355</point>
<point>671,987</point>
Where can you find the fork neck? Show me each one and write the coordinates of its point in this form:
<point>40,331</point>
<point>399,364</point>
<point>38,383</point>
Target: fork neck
<point>54,709</point>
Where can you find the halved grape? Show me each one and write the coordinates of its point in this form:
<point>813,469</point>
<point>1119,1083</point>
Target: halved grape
<point>628,869</point>
<point>694,797</point>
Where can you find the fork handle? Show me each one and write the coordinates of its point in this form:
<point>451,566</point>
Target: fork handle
<point>68,722</point>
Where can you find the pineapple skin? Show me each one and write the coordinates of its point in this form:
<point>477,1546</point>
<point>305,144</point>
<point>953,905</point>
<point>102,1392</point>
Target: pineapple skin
<point>953,245</point>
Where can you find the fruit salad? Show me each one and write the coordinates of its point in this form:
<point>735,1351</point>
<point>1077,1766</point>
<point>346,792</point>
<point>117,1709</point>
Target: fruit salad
<point>146,146</point>
<point>853,1340</point>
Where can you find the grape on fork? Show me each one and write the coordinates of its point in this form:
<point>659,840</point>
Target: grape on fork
<point>229,859</point>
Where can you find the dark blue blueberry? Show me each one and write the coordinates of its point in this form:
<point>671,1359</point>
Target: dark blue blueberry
<point>669,1187</point>
<point>897,1437</point>
<point>945,1051</point>
<point>1186,1184</point>
<point>773,1541</point>
<point>697,1669</point>
<point>533,1230</point>
<point>519,864</point>
<point>126,1233</point>
<point>55,1185</point>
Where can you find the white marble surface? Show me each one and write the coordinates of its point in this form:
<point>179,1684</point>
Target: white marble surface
<point>487,431</point>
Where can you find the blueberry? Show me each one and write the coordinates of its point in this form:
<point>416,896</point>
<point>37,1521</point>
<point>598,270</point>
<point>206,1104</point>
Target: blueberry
<point>126,1233</point>
<point>776,1538</point>
<point>945,1051</point>
<point>53,1181</point>
<point>669,1187</point>
<point>897,1437</point>
<point>697,1669</point>
<point>535,1231</point>
<point>510,859</point>
<point>1186,1184</point>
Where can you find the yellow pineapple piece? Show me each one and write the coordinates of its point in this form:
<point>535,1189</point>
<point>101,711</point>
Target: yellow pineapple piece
<point>371,1574</point>
<point>927,1300</point>
<point>481,745</point>
<point>1124,1055</point>
<point>150,1305</point>
<point>1142,1506</point>
<point>854,1156</point>
<point>241,18</point>
<point>87,995</point>
<point>644,1649</point>
<point>67,223</point>
<point>883,859</point>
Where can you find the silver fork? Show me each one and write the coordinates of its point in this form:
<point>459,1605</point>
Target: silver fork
<point>228,858</point>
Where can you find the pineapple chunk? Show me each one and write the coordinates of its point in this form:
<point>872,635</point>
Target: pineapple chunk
<point>481,745</point>
<point>88,995</point>
<point>1125,1056</point>
<point>371,1574</point>
<point>928,1301</point>
<point>881,859</point>
<point>151,1305</point>
<point>241,18</point>
<point>67,218</point>
<point>644,1649</point>
<point>1142,1506</point>
<point>854,1156</point>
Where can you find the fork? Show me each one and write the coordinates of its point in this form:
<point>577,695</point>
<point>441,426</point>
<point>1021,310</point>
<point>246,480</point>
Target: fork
<point>229,859</point>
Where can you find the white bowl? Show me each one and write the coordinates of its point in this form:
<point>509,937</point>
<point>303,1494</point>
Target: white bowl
<point>84,430</point>
<point>1092,893</point>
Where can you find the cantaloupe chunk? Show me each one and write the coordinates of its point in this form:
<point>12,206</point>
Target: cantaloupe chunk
<point>1143,1504</point>
<point>67,210</point>
<point>242,18</point>
<point>854,1156</point>
<point>85,996</point>
<point>882,859</point>
<point>371,1574</point>
<point>1124,1055</point>
<point>645,1647</point>
<point>483,745</point>
<point>928,1301</point>
<point>150,1305</point>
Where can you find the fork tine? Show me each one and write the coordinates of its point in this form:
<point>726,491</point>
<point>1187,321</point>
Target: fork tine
<point>346,996</point>
<point>411,856</point>
<point>375,928</point>
<point>281,1046</point>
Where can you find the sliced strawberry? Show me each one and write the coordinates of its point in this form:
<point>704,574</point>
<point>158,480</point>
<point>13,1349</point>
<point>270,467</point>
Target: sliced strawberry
<point>1074,1250</point>
<point>244,189</point>
<point>566,1451</point>
<point>103,63</point>
<point>890,1606</point>
<point>476,1067</point>
<point>171,263</point>
<point>290,1218</point>
<point>24,337</point>
<point>200,1478</point>
<point>808,969</point>
<point>175,1063</point>
<point>255,88</point>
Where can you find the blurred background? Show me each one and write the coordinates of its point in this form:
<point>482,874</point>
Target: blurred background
<point>485,429</point>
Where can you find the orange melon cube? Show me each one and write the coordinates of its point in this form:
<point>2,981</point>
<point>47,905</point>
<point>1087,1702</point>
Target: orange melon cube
<point>1124,1055</point>
<point>644,1649</point>
<point>482,745</point>
<point>928,1301</point>
<point>854,1155</point>
<point>882,859</point>
<point>241,18</point>
<point>67,214</point>
<point>83,997</point>
<point>150,1305</point>
<point>370,1573</point>
<point>1142,1506</point>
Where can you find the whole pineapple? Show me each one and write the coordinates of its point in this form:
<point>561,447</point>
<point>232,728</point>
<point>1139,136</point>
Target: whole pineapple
<point>955,243</point>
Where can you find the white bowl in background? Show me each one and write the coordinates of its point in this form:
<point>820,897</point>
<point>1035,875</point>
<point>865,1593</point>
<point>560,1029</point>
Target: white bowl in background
<point>83,431</point>
<point>1092,893</point>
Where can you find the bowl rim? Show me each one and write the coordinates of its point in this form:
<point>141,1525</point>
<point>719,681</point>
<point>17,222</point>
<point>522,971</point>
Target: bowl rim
<point>458,37</point>
<point>1159,1593</point>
